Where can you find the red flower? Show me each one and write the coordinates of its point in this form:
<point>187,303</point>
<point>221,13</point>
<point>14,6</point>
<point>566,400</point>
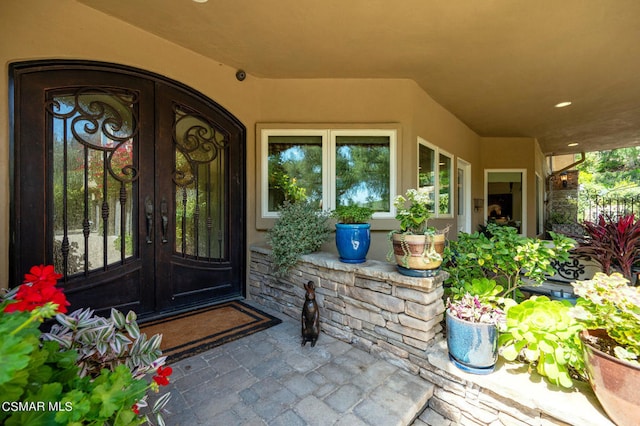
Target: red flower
<point>135,409</point>
<point>39,289</point>
<point>163,375</point>
<point>44,274</point>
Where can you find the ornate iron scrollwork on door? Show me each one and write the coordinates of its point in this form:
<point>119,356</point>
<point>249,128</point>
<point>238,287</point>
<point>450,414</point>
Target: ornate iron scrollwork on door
<point>199,177</point>
<point>93,135</point>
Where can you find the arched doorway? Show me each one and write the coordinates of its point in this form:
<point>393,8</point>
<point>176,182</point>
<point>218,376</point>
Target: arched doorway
<point>133,185</point>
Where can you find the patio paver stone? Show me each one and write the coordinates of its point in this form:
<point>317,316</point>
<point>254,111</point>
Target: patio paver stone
<point>268,378</point>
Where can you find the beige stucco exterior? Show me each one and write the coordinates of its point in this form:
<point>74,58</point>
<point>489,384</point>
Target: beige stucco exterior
<point>63,29</point>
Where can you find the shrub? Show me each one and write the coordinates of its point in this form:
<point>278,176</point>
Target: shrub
<point>505,256</point>
<point>299,230</point>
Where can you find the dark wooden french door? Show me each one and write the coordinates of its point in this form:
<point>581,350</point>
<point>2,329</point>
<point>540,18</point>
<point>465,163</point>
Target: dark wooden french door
<point>132,185</point>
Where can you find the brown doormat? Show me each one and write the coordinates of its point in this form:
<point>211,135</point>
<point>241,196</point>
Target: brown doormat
<point>191,333</point>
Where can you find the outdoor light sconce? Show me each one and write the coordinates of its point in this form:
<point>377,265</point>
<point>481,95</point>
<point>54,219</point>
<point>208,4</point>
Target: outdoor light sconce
<point>478,203</point>
<point>563,179</point>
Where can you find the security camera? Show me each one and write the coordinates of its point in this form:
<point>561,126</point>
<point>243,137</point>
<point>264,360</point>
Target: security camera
<point>241,75</point>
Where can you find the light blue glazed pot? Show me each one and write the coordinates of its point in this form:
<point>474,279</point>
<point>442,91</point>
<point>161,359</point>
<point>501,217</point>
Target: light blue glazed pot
<point>353,241</point>
<point>473,347</point>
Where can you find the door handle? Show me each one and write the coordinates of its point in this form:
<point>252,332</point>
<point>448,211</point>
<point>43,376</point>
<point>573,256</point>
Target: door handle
<point>148,209</point>
<point>165,220</point>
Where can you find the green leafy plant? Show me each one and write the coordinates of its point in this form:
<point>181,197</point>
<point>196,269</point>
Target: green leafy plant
<point>292,191</point>
<point>614,243</point>
<point>503,255</point>
<point>44,375</point>
<point>542,333</point>
<point>607,302</point>
<point>485,289</point>
<point>352,214</point>
<point>299,230</point>
<point>414,210</point>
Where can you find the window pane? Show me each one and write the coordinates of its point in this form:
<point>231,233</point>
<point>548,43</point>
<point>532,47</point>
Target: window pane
<point>444,201</point>
<point>426,171</point>
<point>93,173</point>
<point>295,169</point>
<point>200,193</point>
<point>362,171</point>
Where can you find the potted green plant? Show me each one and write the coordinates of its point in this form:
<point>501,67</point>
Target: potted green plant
<point>609,309</point>
<point>300,229</point>
<point>353,232</point>
<point>87,370</point>
<point>473,319</point>
<point>500,253</point>
<point>614,243</point>
<point>417,248</point>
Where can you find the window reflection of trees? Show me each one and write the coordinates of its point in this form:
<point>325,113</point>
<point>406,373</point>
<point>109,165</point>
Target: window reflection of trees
<point>362,171</point>
<point>295,163</point>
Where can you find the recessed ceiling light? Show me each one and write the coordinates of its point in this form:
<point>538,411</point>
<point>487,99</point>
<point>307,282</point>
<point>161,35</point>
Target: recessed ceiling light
<point>573,144</point>
<point>563,104</point>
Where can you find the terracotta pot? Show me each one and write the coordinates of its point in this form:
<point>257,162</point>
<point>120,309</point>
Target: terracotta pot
<point>409,250</point>
<point>614,381</point>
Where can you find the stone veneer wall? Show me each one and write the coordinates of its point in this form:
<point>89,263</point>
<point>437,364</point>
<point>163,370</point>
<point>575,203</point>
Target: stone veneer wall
<point>398,319</point>
<point>368,305</point>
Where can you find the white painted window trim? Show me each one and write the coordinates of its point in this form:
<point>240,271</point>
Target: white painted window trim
<point>328,164</point>
<point>468,208</point>
<point>436,183</point>
<point>264,159</point>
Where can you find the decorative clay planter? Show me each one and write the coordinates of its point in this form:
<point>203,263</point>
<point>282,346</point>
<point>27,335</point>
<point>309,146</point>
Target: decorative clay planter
<point>614,381</point>
<point>353,241</point>
<point>473,347</point>
<point>411,251</point>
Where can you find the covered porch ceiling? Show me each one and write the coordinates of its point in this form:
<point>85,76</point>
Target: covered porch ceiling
<point>500,66</point>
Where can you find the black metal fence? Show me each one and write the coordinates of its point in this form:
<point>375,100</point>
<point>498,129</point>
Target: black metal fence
<point>591,206</point>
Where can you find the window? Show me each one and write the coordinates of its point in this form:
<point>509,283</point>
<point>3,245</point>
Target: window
<point>330,167</point>
<point>435,173</point>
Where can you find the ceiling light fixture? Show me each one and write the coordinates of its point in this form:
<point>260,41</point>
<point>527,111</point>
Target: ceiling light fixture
<point>200,1</point>
<point>562,104</point>
<point>573,144</point>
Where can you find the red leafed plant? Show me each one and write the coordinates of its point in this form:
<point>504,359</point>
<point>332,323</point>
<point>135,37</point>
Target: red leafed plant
<point>613,243</point>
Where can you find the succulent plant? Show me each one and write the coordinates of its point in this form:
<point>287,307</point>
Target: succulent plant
<point>542,332</point>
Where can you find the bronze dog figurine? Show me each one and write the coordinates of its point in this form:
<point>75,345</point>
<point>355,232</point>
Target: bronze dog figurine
<point>310,316</point>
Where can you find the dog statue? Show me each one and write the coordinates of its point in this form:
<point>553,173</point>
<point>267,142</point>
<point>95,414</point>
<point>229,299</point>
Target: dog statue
<point>310,316</point>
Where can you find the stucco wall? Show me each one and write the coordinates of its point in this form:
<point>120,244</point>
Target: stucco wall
<point>39,29</point>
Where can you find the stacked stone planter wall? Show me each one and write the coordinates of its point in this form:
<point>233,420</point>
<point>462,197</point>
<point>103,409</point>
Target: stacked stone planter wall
<point>398,318</point>
<point>369,304</point>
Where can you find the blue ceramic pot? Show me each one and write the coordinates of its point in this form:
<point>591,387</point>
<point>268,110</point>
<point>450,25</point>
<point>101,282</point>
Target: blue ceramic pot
<point>353,241</point>
<point>473,347</point>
